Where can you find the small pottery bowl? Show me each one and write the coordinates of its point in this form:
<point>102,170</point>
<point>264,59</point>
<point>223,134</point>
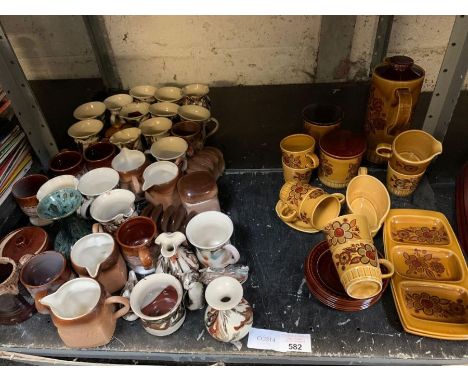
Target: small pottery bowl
<point>59,204</point>
<point>55,184</point>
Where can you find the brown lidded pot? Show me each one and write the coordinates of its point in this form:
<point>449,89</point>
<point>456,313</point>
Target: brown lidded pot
<point>24,191</point>
<point>24,241</point>
<point>192,132</point>
<point>135,238</point>
<point>67,162</point>
<point>198,192</point>
<point>99,154</point>
<point>341,153</point>
<point>43,274</point>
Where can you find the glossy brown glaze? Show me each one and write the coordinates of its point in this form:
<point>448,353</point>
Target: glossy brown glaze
<point>192,133</point>
<point>24,191</point>
<point>197,187</point>
<point>343,144</point>
<point>99,155</point>
<point>322,114</point>
<point>399,68</point>
<point>24,241</point>
<point>162,304</point>
<point>67,163</point>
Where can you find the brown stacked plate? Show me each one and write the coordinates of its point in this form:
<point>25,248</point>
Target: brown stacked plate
<point>462,207</point>
<point>324,283</point>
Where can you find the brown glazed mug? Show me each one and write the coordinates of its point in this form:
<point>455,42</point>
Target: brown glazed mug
<point>135,238</point>
<point>192,132</point>
<point>24,191</point>
<point>43,274</point>
<point>320,119</point>
<point>67,162</point>
<point>99,154</point>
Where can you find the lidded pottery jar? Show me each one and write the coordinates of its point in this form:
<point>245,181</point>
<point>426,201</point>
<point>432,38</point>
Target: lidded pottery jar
<point>198,192</point>
<point>341,153</point>
<point>24,241</point>
<point>394,92</point>
<point>228,316</point>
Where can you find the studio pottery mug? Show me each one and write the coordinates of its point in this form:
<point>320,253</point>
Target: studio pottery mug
<point>199,114</point>
<point>154,129</point>
<point>321,119</point>
<point>135,238</point>
<point>84,312</point>
<point>115,103</point>
<point>165,109</point>
<point>298,151</point>
<point>172,149</point>
<point>86,132</point>
<point>196,94</point>
<point>160,178</point>
<point>68,162</point>
<point>143,93</point>
<point>97,256</point>
<point>128,138</point>
<point>210,233</point>
<point>192,132</point>
<point>130,164</point>
<point>402,184</point>
<point>158,301</point>
<point>168,94</point>
<point>297,174</point>
<point>394,92</point>
<point>43,274</point>
<point>99,155</point>
<point>111,209</point>
<point>90,110</point>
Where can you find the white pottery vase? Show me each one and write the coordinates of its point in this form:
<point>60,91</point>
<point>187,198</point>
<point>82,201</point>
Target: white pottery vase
<point>228,316</point>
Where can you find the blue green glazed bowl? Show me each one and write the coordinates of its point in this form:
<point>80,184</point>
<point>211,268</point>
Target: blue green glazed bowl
<point>59,204</point>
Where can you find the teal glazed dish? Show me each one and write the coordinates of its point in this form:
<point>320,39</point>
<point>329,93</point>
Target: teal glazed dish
<point>59,204</point>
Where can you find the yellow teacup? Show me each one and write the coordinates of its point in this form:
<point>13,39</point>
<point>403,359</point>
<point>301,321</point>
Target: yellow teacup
<point>297,174</point>
<point>402,184</point>
<point>321,119</point>
<point>298,151</point>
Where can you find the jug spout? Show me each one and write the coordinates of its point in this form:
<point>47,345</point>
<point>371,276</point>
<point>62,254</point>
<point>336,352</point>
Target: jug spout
<point>436,148</point>
<point>169,242</point>
<point>52,301</point>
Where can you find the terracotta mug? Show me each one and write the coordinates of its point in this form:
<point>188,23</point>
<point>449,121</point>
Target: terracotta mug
<point>158,301</point>
<point>402,184</point>
<point>160,178</point>
<point>24,191</point>
<point>394,92</point>
<point>298,151</point>
<point>297,174</point>
<point>14,308</point>
<point>68,162</point>
<point>321,119</point>
<point>210,233</point>
<point>43,274</point>
<point>130,164</point>
<point>411,151</point>
<point>85,132</point>
<point>135,238</point>
<point>99,155</point>
<point>192,132</point>
<point>97,256</point>
<point>307,203</point>
<point>83,312</point>
<point>366,195</point>
<point>341,153</point>
<point>355,256</point>
<point>199,114</point>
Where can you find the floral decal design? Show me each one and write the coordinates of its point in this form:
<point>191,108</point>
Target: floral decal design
<point>435,306</point>
<point>325,167</point>
<point>404,184</point>
<point>406,167</point>
<point>292,161</point>
<point>297,192</point>
<point>352,171</point>
<point>302,177</point>
<point>316,193</point>
<point>376,119</point>
<point>433,235</point>
<point>339,233</point>
<point>357,253</point>
<point>423,264</point>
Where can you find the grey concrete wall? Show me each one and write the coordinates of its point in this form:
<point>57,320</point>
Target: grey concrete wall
<point>218,50</point>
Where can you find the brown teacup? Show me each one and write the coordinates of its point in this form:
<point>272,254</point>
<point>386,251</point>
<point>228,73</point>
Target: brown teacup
<point>99,154</point>
<point>192,132</point>
<point>67,162</point>
<point>135,237</point>
<point>24,192</point>
<point>43,274</point>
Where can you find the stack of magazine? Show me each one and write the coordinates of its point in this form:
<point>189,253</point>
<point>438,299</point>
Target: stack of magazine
<point>15,152</point>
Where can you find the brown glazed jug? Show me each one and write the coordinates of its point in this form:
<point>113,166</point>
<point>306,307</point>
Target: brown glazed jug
<point>394,92</point>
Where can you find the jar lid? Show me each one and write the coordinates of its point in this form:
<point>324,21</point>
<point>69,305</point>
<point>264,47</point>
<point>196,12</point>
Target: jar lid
<point>24,241</point>
<point>197,187</point>
<point>399,68</point>
<point>343,143</point>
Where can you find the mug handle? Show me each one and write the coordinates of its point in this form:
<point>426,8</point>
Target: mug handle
<point>39,307</point>
<point>341,198</point>
<point>97,228</point>
<point>118,300</point>
<point>403,112</point>
<point>287,217</point>
<point>362,171</point>
<point>145,257</point>
<point>84,209</point>
<point>314,160</point>
<point>389,267</point>
<point>214,129</point>
<point>235,255</point>
<point>384,150</point>
<point>135,185</point>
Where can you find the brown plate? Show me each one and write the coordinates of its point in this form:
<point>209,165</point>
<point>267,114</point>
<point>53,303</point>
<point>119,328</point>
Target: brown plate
<point>324,283</point>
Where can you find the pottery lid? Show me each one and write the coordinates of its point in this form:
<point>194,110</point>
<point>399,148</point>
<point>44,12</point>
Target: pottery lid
<point>24,241</point>
<point>343,143</point>
<point>197,187</point>
<point>399,68</point>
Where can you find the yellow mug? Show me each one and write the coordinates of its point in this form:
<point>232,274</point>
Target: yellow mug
<point>299,174</point>
<point>298,151</point>
<point>320,119</point>
<point>402,184</point>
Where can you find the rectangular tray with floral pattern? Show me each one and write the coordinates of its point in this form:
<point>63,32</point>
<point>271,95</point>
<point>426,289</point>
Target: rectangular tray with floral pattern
<point>430,284</point>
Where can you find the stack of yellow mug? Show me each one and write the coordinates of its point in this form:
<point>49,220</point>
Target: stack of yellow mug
<point>408,157</point>
<point>298,157</point>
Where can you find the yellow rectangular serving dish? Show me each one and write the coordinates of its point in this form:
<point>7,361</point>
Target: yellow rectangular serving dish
<point>430,284</point>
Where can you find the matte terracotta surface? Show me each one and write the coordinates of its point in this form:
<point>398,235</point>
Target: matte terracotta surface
<point>197,187</point>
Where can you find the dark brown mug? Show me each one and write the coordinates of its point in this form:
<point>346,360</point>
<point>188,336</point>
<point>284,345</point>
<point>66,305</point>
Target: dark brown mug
<point>43,274</point>
<point>67,162</point>
<point>24,191</point>
<point>99,154</point>
<point>135,238</point>
<point>192,132</point>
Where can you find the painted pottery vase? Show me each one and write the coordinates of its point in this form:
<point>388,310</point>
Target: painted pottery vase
<point>229,316</point>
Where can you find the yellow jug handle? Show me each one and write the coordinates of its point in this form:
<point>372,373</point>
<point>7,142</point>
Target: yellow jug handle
<point>403,111</point>
<point>384,150</point>
<point>389,266</point>
<point>287,217</point>
<point>314,161</point>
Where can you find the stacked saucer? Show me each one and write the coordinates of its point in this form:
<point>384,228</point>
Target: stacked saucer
<point>324,283</point>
